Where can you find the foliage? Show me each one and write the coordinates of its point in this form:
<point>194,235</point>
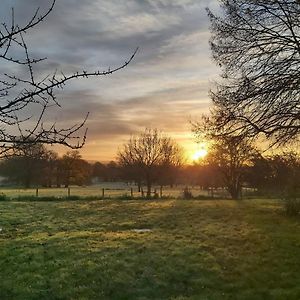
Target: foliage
<point>107,172</point>
<point>73,169</point>
<point>194,250</point>
<point>33,165</point>
<point>256,43</point>
<point>275,174</point>
<point>29,164</point>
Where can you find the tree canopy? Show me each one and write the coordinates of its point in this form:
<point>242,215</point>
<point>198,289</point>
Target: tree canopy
<point>257,45</point>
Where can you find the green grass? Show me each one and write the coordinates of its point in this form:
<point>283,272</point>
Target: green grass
<point>111,190</point>
<point>195,250</point>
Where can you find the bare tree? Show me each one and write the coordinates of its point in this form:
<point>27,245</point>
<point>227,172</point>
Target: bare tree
<point>22,93</point>
<point>148,154</point>
<point>257,45</point>
<point>228,153</point>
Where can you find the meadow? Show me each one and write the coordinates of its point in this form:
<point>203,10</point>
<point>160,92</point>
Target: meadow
<point>148,249</point>
<point>108,189</point>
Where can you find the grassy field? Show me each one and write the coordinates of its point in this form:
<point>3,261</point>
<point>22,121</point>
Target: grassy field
<point>111,190</point>
<point>189,250</point>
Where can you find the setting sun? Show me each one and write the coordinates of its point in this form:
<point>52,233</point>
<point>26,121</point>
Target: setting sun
<point>201,153</point>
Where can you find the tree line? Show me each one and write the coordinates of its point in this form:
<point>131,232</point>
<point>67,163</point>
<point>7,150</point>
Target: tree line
<point>153,159</point>
<point>256,43</point>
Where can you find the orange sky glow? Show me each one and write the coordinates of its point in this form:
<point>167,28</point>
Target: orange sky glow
<point>164,87</point>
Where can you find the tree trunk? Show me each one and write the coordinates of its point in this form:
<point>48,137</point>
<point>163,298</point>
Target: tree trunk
<point>149,188</point>
<point>234,191</point>
<point>149,184</point>
<point>139,185</point>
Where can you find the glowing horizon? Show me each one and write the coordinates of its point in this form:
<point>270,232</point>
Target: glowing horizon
<point>164,87</point>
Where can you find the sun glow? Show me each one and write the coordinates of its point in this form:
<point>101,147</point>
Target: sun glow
<point>199,154</point>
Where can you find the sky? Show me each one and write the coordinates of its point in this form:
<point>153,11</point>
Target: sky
<point>164,87</point>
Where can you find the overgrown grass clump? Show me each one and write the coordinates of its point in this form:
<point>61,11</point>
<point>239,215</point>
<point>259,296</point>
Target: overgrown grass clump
<point>164,249</point>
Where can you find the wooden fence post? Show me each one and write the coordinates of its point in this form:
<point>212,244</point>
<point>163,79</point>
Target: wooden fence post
<point>102,193</point>
<point>37,192</point>
<point>161,191</point>
<point>131,192</point>
<point>69,192</point>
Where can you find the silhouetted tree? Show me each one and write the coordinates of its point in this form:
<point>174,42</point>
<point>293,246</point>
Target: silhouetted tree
<point>73,169</point>
<point>132,173</point>
<point>20,94</point>
<point>149,154</point>
<point>275,174</point>
<point>230,154</point>
<point>257,45</point>
<point>99,171</point>
<point>28,165</point>
<point>259,174</point>
<point>202,174</point>
<point>112,171</point>
<point>49,169</point>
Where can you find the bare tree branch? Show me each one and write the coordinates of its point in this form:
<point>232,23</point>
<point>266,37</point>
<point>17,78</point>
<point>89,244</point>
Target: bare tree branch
<point>257,45</point>
<point>23,93</point>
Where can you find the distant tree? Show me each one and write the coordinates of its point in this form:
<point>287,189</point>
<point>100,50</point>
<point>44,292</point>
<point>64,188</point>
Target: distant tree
<point>230,155</point>
<point>202,174</point>
<point>285,172</point>
<point>149,154</point>
<point>259,174</point>
<point>73,169</point>
<point>257,45</point>
<point>276,174</point>
<point>132,172</point>
<point>99,171</point>
<point>28,165</point>
<point>50,169</point>
<point>112,172</point>
<point>22,94</point>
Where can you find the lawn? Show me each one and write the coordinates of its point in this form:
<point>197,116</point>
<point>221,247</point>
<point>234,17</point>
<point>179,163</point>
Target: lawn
<point>190,250</point>
<point>111,190</point>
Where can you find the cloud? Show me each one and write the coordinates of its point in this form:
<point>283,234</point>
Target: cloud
<point>165,85</point>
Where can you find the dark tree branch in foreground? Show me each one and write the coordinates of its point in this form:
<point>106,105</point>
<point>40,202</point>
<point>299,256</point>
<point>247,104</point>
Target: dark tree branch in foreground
<point>20,94</point>
<point>257,45</point>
